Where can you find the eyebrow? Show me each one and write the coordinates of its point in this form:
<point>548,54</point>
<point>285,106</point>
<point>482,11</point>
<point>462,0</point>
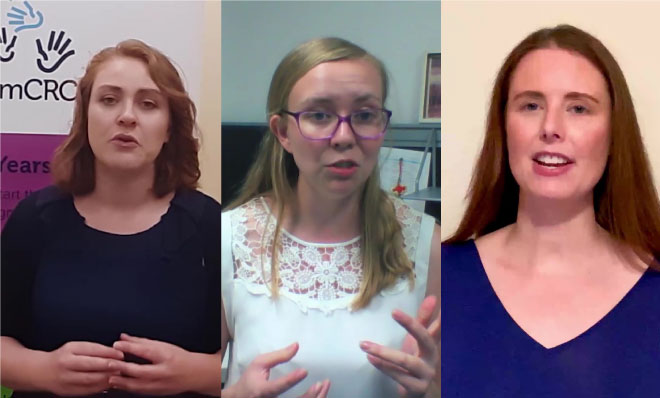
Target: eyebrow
<point>141,90</point>
<point>329,100</point>
<point>571,95</point>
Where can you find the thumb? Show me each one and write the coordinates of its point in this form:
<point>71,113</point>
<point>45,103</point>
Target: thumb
<point>271,359</point>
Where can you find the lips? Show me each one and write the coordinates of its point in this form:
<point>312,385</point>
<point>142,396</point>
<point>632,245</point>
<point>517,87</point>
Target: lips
<point>344,164</point>
<point>552,159</point>
<point>124,139</point>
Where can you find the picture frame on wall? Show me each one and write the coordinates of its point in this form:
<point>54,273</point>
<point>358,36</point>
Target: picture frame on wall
<point>430,103</point>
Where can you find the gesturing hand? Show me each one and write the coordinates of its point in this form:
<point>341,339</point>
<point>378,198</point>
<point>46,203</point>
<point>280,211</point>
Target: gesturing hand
<point>80,368</point>
<point>254,381</point>
<point>170,372</point>
<point>413,367</point>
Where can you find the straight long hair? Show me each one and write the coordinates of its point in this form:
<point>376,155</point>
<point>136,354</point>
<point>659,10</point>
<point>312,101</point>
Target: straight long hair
<point>625,201</point>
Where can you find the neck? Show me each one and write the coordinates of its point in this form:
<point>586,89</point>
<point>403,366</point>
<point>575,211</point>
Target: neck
<point>319,218</point>
<point>554,235</point>
<point>123,189</point>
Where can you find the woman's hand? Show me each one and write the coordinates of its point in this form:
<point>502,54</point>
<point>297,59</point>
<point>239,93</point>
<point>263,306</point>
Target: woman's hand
<point>254,381</point>
<point>172,370</point>
<point>413,367</point>
<point>80,368</point>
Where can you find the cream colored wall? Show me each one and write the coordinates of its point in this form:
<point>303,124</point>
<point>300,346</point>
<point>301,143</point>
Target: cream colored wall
<point>208,107</point>
<point>477,36</point>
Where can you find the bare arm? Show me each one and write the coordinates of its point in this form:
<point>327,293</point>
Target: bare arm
<point>207,376</point>
<point>225,338</point>
<point>77,368</point>
<point>21,366</point>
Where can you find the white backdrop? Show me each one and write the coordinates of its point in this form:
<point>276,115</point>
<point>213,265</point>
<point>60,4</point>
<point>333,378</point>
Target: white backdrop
<point>31,97</point>
<point>477,36</point>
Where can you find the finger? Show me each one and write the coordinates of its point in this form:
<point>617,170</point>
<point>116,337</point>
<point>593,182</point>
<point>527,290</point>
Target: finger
<point>324,389</point>
<point>137,339</point>
<point>271,359</point>
<point>278,386</point>
<point>410,363</point>
<point>136,370</point>
<point>138,386</point>
<point>99,380</point>
<point>434,330</point>
<point>426,310</point>
<point>90,349</point>
<point>82,363</point>
<point>407,381</point>
<point>418,331</point>
<point>140,349</point>
<point>4,35</point>
<point>312,391</point>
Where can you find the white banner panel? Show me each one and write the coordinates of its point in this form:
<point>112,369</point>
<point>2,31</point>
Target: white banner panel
<point>45,46</point>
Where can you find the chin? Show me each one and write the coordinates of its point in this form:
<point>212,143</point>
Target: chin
<point>559,193</point>
<point>340,191</point>
<point>124,165</point>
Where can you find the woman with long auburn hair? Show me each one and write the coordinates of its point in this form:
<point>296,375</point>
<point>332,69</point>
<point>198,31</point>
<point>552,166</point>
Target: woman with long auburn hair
<point>111,277</point>
<point>317,258</point>
<point>550,285</point>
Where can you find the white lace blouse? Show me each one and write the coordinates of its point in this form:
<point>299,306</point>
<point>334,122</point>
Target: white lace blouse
<point>318,283</point>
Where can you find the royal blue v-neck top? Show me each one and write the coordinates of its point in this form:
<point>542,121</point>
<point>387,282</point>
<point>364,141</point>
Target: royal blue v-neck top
<point>486,354</point>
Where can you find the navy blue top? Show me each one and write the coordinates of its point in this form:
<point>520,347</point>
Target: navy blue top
<point>486,354</point>
<point>65,281</point>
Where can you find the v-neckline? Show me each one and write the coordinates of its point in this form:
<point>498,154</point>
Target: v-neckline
<point>611,313</point>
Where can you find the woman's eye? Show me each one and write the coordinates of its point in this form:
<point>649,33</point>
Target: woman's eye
<point>316,116</point>
<point>109,100</point>
<point>364,116</point>
<point>148,104</point>
<point>530,106</point>
<point>579,109</point>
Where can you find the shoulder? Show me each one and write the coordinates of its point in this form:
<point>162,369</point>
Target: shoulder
<point>44,210</point>
<point>402,209</point>
<point>255,208</point>
<point>492,244</point>
<point>457,252</point>
<point>411,219</point>
<point>32,207</point>
<point>201,207</point>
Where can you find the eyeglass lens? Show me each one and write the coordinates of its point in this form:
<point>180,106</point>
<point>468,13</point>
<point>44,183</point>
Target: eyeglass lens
<point>366,123</point>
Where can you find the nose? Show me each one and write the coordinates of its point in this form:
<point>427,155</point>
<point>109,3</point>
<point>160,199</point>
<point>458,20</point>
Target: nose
<point>127,115</point>
<point>344,137</point>
<point>552,128</point>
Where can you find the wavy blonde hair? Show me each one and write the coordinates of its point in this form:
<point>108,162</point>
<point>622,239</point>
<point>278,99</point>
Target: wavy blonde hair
<point>275,172</point>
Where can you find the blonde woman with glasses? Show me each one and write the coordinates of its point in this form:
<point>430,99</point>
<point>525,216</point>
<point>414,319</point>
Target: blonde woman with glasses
<point>320,266</point>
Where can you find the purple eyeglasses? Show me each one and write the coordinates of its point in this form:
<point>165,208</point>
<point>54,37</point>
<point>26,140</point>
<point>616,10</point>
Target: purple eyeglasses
<point>367,124</point>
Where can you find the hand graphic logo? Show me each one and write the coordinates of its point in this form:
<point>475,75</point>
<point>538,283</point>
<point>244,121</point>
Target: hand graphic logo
<point>55,50</point>
<point>6,47</point>
<point>18,17</point>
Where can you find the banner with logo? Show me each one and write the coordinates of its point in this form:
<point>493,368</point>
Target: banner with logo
<point>44,48</point>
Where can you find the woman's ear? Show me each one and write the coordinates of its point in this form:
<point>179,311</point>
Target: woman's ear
<point>279,128</point>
